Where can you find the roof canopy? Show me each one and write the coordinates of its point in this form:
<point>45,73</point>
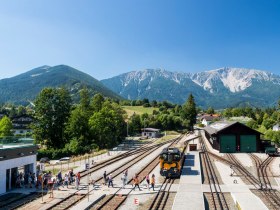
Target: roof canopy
<point>219,126</point>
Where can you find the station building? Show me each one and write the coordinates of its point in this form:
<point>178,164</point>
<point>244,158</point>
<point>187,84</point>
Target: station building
<point>151,132</point>
<point>15,156</point>
<point>230,137</point>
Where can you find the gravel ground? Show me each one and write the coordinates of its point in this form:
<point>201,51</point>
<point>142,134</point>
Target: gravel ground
<point>209,202</point>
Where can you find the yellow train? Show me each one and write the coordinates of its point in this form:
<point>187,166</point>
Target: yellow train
<point>170,161</point>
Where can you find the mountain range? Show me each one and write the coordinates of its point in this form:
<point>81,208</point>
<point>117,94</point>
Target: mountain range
<point>219,88</point>
<point>25,87</point>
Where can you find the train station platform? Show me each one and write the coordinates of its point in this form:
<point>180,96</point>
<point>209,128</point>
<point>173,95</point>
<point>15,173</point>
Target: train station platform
<point>190,194</point>
<point>240,192</point>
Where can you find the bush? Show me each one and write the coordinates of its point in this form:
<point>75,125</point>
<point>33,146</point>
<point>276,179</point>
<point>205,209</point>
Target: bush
<point>201,125</point>
<point>53,153</point>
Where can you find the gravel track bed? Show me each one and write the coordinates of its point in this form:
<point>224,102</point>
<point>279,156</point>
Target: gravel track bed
<point>209,203</point>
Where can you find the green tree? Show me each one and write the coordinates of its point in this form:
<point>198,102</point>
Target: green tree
<point>227,112</point>
<point>97,102</point>
<point>85,99</point>
<point>52,109</point>
<point>6,127</point>
<point>135,124</point>
<point>108,125</point>
<point>268,122</point>
<point>78,125</point>
<point>189,112</point>
<point>21,110</point>
<point>210,110</point>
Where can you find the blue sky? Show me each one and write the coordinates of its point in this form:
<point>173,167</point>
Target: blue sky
<point>108,37</point>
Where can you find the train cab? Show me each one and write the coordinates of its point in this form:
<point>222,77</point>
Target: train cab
<point>170,162</point>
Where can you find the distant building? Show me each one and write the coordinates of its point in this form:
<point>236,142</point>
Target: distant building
<point>21,125</point>
<point>151,132</point>
<point>207,119</point>
<point>276,127</point>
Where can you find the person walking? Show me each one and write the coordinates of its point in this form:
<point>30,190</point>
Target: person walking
<point>110,180</point>
<point>124,178</point>
<point>78,176</point>
<point>136,182</point>
<point>105,177</point>
<point>148,181</point>
<point>153,180</point>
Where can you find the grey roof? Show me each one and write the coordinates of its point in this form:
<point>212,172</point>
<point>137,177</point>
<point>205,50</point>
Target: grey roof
<point>218,126</point>
<point>151,129</point>
<point>221,125</point>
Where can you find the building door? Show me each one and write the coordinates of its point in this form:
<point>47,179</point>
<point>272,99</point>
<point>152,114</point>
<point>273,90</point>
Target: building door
<point>7,180</point>
<point>193,147</point>
<point>14,174</point>
<point>227,143</point>
<point>248,143</point>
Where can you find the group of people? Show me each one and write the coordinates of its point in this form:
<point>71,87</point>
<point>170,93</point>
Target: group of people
<point>124,178</point>
<point>149,181</point>
<point>28,179</point>
<point>68,179</point>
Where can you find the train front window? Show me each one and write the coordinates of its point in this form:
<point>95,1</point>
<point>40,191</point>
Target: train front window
<point>176,157</point>
<point>164,156</point>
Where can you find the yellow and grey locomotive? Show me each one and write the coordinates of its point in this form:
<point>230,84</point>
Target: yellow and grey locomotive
<point>170,162</point>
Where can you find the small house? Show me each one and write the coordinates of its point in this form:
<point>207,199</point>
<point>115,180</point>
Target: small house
<point>151,132</point>
<point>21,125</point>
<point>208,119</point>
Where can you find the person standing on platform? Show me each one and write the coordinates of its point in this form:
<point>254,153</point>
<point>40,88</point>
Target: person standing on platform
<point>51,186</point>
<point>59,177</point>
<point>153,180</point>
<point>66,179</point>
<point>110,180</point>
<point>105,177</point>
<point>77,182</point>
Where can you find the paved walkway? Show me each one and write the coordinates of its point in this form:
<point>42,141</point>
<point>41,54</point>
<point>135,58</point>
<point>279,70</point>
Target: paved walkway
<point>190,194</point>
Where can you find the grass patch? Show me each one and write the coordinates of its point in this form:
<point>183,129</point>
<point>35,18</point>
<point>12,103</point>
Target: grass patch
<point>166,138</point>
<point>138,110</point>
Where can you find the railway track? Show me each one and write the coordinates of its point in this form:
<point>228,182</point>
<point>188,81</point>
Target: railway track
<point>124,155</point>
<point>272,198</point>
<point>114,200</point>
<point>11,203</point>
<point>261,183</point>
<point>217,197</point>
<point>161,198</point>
<point>69,202</point>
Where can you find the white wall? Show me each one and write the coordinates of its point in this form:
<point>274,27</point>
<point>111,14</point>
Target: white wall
<point>13,163</point>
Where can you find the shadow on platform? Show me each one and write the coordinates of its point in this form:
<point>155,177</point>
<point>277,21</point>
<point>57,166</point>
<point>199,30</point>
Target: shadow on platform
<point>189,163</point>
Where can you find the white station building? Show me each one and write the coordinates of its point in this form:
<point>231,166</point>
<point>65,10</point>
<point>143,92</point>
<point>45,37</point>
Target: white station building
<point>15,156</point>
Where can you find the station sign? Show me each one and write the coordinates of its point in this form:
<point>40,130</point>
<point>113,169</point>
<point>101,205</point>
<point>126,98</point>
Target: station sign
<point>136,201</point>
<point>87,166</point>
